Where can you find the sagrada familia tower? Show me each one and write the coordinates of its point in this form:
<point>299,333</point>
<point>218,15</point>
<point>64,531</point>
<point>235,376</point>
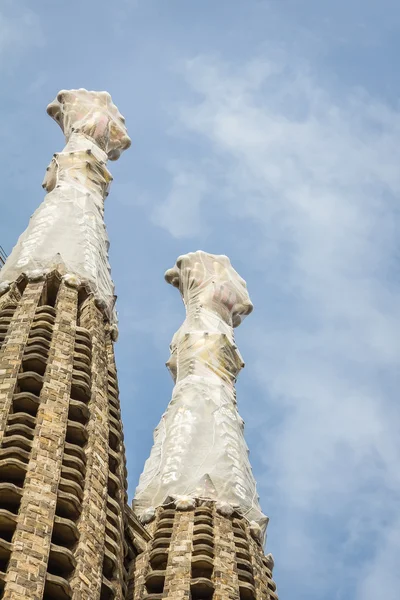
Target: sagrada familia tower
<point>195,530</point>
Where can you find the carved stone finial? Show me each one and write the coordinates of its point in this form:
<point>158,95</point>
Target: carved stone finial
<point>212,279</point>
<point>184,502</point>
<point>94,115</point>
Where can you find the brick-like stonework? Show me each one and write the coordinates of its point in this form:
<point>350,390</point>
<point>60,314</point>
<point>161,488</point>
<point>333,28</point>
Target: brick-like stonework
<point>27,570</point>
<point>225,572</point>
<point>90,550</point>
<point>14,344</point>
<point>178,571</point>
<point>200,554</point>
<point>66,531</point>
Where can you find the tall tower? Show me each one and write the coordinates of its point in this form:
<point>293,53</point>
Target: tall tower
<point>66,532</point>
<point>197,495</point>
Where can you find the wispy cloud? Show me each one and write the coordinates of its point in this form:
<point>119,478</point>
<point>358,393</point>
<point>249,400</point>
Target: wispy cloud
<point>180,213</point>
<point>316,172</point>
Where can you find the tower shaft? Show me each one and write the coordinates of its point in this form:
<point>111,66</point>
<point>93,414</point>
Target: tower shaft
<point>66,531</point>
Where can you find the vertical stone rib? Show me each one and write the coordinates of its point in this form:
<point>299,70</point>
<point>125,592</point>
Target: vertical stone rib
<point>13,348</point>
<point>139,572</point>
<point>262,569</point>
<point>87,580</point>
<point>260,582</point>
<point>141,566</point>
<point>118,473</point>
<point>32,537</point>
<point>178,572</point>
<point>225,574</point>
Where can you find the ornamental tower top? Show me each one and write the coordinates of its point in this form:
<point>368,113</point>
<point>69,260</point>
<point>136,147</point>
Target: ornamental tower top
<point>67,231</point>
<point>92,115</point>
<point>199,448</point>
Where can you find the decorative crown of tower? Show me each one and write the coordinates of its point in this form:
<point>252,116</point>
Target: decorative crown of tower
<point>199,449</point>
<point>67,231</point>
<point>94,115</point>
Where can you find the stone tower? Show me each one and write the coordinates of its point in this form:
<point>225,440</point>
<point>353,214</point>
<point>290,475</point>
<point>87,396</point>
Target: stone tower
<point>197,495</point>
<point>66,532</point>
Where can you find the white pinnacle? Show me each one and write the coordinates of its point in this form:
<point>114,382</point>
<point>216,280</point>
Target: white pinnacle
<point>67,231</point>
<point>199,448</point>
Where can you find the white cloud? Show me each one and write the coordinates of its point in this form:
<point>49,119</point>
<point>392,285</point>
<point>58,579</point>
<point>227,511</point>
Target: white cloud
<point>316,170</point>
<point>180,212</point>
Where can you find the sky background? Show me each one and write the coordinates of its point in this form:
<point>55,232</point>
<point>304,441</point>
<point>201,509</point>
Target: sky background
<point>267,131</point>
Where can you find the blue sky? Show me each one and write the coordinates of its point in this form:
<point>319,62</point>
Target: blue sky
<point>267,131</point>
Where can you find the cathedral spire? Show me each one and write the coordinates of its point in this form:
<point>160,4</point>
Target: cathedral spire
<point>66,530</point>
<point>199,448</point>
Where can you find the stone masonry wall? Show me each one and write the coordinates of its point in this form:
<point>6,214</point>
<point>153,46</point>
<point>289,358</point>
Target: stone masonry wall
<point>26,575</point>
<point>65,528</point>
<point>199,553</point>
<point>14,344</point>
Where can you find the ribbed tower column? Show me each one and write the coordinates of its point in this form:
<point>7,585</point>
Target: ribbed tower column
<point>197,491</point>
<point>65,529</point>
